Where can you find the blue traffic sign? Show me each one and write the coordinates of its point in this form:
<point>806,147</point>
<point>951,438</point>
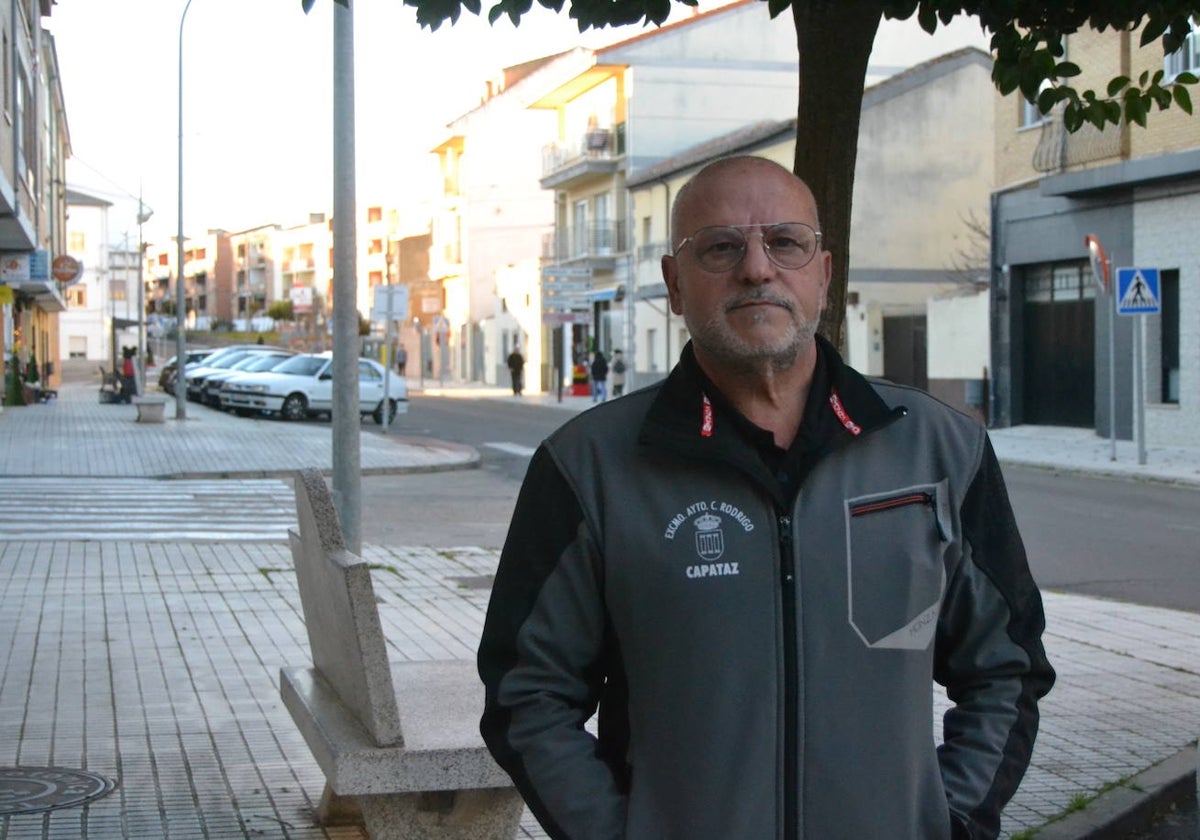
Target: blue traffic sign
<point>1138,291</point>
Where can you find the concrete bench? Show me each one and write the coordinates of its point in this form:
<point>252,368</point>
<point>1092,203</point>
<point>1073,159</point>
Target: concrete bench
<point>150,409</point>
<point>398,742</point>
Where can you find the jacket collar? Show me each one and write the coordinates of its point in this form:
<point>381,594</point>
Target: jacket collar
<point>683,416</point>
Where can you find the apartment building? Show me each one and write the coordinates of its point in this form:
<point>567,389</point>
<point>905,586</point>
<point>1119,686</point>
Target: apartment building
<point>916,297</point>
<point>34,146</point>
<point>84,326</point>
<point>489,222</point>
<point>257,282</point>
<point>208,271</point>
<point>1137,191</point>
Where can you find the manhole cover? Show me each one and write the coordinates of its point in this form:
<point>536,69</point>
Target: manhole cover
<point>24,790</point>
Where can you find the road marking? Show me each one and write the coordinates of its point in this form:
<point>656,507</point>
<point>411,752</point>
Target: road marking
<point>145,509</point>
<point>513,449</point>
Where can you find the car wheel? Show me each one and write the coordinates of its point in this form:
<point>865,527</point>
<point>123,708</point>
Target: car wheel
<point>295,407</point>
<point>377,414</point>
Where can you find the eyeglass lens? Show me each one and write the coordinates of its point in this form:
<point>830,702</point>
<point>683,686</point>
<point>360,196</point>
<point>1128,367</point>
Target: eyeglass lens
<point>788,245</point>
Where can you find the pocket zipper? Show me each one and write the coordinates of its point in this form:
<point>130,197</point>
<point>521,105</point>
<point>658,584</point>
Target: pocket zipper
<point>893,502</point>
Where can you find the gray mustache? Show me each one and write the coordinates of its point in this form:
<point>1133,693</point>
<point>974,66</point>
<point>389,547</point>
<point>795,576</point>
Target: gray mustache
<point>759,297</point>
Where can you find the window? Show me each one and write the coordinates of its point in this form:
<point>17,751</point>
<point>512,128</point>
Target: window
<point>374,214</point>
<point>376,247</point>
<point>375,278</point>
<point>201,253</point>
<point>1184,59</point>
<point>1030,115</point>
<point>1169,326</point>
<point>164,259</point>
<point>77,296</point>
<point>117,290</point>
<point>1057,282</point>
<point>77,241</point>
<point>579,240</point>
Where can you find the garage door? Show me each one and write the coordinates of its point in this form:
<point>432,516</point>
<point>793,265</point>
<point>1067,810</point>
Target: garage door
<point>1059,346</point>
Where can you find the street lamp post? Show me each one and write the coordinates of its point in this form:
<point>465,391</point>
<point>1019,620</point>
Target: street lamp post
<point>143,216</point>
<point>180,299</point>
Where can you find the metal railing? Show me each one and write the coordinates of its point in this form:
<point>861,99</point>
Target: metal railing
<point>1058,149</point>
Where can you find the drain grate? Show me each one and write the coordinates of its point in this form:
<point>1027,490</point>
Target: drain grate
<point>27,790</point>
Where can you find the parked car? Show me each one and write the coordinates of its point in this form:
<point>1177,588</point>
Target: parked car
<point>303,387</point>
<point>166,377</point>
<point>222,360</point>
<point>254,362</point>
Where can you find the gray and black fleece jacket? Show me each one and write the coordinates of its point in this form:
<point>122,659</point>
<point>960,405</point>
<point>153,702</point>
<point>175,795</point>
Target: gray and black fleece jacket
<point>760,658</point>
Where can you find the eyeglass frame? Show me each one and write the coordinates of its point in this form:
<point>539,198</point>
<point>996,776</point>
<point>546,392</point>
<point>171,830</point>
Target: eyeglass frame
<point>766,248</point>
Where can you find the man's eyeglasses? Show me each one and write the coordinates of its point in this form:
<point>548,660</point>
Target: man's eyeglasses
<point>719,248</point>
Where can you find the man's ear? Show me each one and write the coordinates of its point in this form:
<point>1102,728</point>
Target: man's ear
<point>670,273</point>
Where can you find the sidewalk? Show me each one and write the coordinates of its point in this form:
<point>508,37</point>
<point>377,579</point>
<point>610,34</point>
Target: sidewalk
<point>155,664</point>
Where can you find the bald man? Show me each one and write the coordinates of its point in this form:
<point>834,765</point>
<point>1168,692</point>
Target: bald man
<point>752,572</point>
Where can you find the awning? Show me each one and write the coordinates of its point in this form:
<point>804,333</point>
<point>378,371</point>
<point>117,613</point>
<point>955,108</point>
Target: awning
<point>597,295</point>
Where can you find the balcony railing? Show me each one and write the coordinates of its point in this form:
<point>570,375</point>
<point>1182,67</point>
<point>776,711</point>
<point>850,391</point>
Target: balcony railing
<point>1057,149</point>
<point>596,150</point>
<point>603,240</point>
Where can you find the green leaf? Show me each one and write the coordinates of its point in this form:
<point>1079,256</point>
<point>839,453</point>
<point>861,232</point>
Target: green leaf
<point>927,17</point>
<point>1047,99</point>
<point>1144,79</point>
<point>306,5</point>
<point>1182,98</point>
<point>1066,70</point>
<point>1186,78</point>
<point>1118,84</point>
<point>471,6</point>
<point>1161,97</point>
<point>776,7</point>
<point>1073,118</point>
<point>1155,27</point>
<point>1112,112</point>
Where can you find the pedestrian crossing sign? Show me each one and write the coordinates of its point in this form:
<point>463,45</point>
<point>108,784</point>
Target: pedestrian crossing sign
<point>1137,291</point>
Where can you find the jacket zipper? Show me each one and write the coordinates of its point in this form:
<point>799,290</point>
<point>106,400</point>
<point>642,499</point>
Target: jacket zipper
<point>791,689</point>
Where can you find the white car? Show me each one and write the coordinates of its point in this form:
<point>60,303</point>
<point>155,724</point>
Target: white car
<point>303,386</point>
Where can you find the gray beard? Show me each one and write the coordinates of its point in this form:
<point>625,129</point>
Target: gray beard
<point>716,338</point>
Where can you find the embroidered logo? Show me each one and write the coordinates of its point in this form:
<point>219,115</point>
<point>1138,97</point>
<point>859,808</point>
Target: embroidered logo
<point>708,519</point>
<point>710,539</point>
<point>706,422</point>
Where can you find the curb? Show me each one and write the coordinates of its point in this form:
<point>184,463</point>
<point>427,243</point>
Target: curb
<point>1131,806</point>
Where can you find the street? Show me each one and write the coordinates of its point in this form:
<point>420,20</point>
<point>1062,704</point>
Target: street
<point>1128,540</point>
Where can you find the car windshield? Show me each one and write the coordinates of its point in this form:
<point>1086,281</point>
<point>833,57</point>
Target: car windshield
<point>302,365</point>
<point>229,360</point>
<point>264,362</point>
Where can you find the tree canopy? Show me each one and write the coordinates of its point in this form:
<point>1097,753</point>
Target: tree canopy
<point>834,40</point>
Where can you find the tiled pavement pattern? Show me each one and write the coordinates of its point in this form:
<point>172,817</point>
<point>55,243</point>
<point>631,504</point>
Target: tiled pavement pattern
<point>157,664</point>
<point>77,435</point>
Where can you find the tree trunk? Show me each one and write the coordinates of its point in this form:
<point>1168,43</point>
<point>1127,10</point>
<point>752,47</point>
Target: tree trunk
<point>834,38</point>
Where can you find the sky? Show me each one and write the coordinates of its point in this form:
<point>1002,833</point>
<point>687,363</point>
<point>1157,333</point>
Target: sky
<point>257,102</point>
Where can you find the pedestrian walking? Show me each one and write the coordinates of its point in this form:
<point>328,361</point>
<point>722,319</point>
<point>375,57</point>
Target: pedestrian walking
<point>401,359</point>
<point>618,374</point>
<point>752,572</point>
<point>599,373</point>
<point>516,370</point>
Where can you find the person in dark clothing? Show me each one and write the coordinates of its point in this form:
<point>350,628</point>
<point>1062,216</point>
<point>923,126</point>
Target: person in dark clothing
<point>618,373</point>
<point>128,374</point>
<point>752,572</point>
<point>516,369</point>
<point>599,377</point>
<point>401,359</point>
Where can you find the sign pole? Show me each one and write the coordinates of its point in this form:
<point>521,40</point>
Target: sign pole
<point>1139,294</point>
<point>387,360</point>
<point>1139,387</point>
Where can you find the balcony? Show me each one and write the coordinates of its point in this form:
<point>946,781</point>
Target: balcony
<point>595,154</point>
<point>1057,149</point>
<point>596,246</point>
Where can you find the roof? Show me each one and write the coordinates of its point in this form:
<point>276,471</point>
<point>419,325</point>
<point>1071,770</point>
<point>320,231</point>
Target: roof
<point>79,198</point>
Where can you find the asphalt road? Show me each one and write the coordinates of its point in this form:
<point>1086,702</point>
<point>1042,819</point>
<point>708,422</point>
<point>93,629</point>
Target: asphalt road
<point>1132,541</point>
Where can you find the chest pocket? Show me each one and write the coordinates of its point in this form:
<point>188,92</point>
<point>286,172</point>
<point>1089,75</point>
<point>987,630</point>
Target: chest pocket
<point>895,573</point>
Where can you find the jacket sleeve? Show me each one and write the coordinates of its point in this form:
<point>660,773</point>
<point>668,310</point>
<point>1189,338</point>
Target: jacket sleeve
<point>541,662</point>
<point>990,658</point>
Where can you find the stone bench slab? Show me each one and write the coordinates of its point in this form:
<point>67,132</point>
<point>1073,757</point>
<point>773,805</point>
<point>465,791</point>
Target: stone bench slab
<point>440,705</point>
